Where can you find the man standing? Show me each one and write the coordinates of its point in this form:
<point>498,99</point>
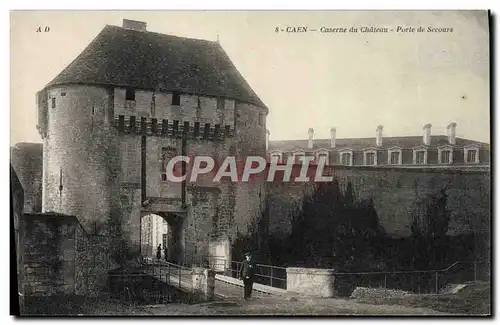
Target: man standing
<point>247,275</point>
<point>158,252</point>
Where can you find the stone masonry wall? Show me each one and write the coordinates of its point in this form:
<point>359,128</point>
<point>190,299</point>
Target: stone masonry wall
<point>395,192</point>
<point>59,257</point>
<point>27,161</point>
<point>92,262</point>
<point>250,141</point>
<point>49,254</point>
<point>16,210</point>
<point>192,108</point>
<point>81,156</point>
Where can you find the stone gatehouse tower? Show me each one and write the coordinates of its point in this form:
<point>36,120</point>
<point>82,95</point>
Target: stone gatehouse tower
<point>112,119</point>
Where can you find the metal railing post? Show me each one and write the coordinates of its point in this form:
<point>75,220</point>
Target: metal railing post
<point>385,284</point>
<point>271,276</point>
<point>475,272</point>
<point>180,272</point>
<point>437,286</point>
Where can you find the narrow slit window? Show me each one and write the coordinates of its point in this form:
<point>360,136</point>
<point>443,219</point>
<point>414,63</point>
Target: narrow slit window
<point>220,103</point>
<point>53,102</point>
<point>93,110</point>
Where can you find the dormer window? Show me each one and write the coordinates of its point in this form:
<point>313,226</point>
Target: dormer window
<point>370,157</point>
<point>471,154</point>
<point>346,157</point>
<point>445,155</point>
<point>420,156</point>
<point>276,155</point>
<point>296,156</point>
<point>323,154</point>
<point>394,156</point>
<point>130,94</point>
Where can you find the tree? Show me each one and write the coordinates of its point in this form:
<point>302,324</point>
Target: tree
<point>430,220</point>
<point>333,229</point>
<point>431,217</point>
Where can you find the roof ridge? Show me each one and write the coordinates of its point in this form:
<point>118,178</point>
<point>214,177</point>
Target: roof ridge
<point>123,57</point>
<point>162,34</point>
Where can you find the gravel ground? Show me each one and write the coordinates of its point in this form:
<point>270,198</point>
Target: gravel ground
<point>264,306</point>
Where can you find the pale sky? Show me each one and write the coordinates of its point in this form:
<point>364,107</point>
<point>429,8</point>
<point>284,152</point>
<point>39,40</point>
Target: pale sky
<point>353,82</point>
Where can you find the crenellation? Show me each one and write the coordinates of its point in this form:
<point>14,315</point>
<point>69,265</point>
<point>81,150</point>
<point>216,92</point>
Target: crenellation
<point>176,128</point>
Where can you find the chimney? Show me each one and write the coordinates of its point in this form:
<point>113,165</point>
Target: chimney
<point>311,134</point>
<point>427,134</point>
<point>333,132</point>
<point>450,131</point>
<point>379,135</point>
<point>135,25</point>
<point>267,139</point>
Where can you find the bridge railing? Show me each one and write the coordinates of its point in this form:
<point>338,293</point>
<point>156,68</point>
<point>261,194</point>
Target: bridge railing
<point>154,282</point>
<point>415,281</point>
<point>270,275</point>
<point>176,275</point>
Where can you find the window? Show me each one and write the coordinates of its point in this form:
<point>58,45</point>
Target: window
<point>130,94</point>
<point>176,99</point>
<point>346,158</point>
<point>166,155</point>
<point>262,120</point>
<point>53,102</point>
<point>164,241</point>
<point>445,157</point>
<point>471,156</point>
<point>276,154</point>
<point>220,103</point>
<point>395,155</point>
<point>370,158</point>
<point>297,157</point>
<point>322,155</point>
<point>420,158</point>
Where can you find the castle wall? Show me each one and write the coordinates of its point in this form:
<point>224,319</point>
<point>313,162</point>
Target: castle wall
<point>250,141</point>
<point>81,155</point>
<point>198,225</point>
<point>27,161</point>
<point>192,108</point>
<point>394,192</point>
<point>59,257</point>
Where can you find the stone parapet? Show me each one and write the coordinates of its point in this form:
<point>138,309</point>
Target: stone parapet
<point>311,282</point>
<point>204,283</point>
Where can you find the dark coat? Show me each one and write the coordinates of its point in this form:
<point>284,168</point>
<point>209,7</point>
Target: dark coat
<point>248,269</point>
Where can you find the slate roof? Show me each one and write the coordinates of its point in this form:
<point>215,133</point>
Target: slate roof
<point>147,60</point>
<point>358,144</point>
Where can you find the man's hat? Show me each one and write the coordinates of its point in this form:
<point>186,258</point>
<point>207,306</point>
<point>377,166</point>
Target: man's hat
<point>248,254</point>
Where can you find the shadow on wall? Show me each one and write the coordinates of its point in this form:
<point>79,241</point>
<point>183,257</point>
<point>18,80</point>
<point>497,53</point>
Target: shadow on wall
<point>333,228</point>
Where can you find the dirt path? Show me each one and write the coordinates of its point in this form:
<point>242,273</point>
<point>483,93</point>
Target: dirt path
<point>278,306</point>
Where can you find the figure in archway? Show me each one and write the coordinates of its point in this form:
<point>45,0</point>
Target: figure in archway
<point>165,251</point>
<point>158,252</point>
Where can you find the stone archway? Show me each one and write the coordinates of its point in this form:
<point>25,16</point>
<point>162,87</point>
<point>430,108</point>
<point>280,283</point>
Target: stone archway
<point>161,228</point>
